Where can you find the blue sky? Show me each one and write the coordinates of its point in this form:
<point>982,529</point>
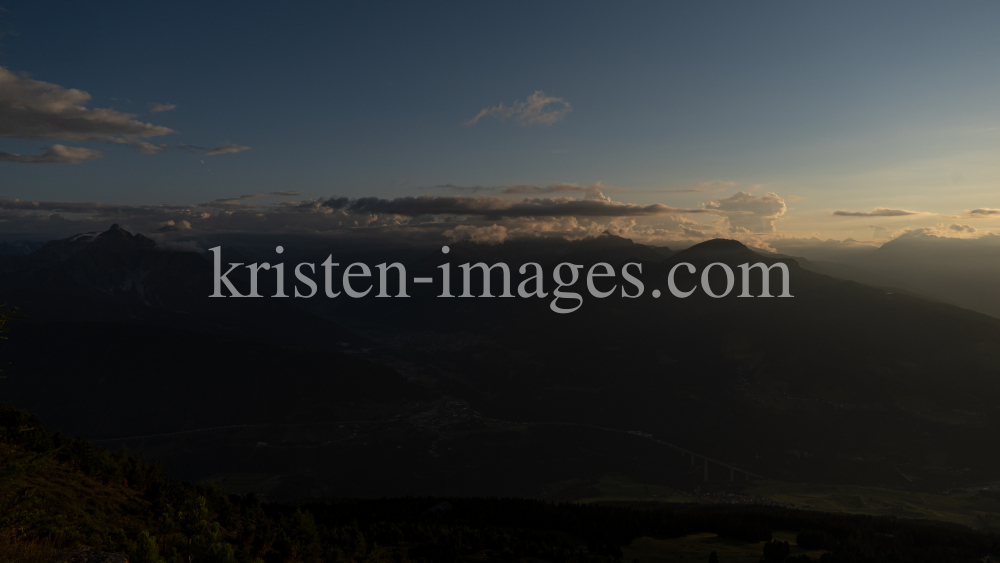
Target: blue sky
<point>831,106</point>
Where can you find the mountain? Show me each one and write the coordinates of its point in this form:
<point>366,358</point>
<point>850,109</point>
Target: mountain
<point>842,383</point>
<point>965,272</point>
<point>117,276</point>
<point>19,247</point>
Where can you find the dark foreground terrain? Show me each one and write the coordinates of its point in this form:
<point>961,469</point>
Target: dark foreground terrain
<point>61,492</point>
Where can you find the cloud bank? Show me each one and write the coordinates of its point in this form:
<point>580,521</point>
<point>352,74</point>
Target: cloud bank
<point>481,218</point>
<point>559,210</point>
<point>494,207</point>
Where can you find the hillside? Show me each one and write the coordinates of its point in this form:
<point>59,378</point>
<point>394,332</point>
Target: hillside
<point>59,492</point>
<point>961,271</point>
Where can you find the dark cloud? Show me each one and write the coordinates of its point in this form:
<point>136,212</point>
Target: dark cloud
<point>337,202</point>
<point>227,148</point>
<point>481,218</point>
<point>685,191</point>
<point>54,154</point>
<point>981,213</point>
<point>73,207</point>
<point>497,207</point>
<point>224,148</point>
<point>550,189</point>
<point>525,189</point>
<point>470,189</point>
<point>238,201</point>
<point>287,193</point>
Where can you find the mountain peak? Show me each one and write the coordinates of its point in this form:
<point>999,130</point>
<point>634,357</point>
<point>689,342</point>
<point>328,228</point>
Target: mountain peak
<point>717,249</point>
<point>116,230</point>
<point>720,244</point>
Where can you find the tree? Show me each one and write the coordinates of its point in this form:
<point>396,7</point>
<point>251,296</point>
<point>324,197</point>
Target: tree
<point>6,316</point>
<point>776,551</point>
<point>811,539</point>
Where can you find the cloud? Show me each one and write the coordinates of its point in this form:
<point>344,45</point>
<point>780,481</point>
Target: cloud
<point>594,190</point>
<point>224,148</point>
<point>981,213</point>
<point>538,109</point>
<point>287,193</point>
<point>550,189</point>
<point>484,219</point>
<point>484,235</point>
<point>938,230</point>
<point>227,148</point>
<point>496,207</point>
<point>748,213</point>
<point>149,148</point>
<point>686,191</point>
<point>231,201</point>
<point>470,189</point>
<point>878,212</point>
<point>67,207</point>
<point>54,154</point>
<point>878,231</point>
<point>32,109</point>
<point>916,232</point>
<point>695,233</point>
<point>157,108</point>
<point>173,226</point>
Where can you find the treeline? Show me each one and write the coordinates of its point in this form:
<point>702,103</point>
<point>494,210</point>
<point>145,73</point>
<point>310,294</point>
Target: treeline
<point>157,520</point>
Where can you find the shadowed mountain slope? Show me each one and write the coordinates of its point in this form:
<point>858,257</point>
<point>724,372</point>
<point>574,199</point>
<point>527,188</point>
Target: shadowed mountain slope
<point>841,383</point>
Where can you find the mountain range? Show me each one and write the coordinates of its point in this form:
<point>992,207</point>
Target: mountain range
<point>846,382</point>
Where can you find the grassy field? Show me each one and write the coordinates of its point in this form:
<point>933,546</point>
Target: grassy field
<point>697,547</point>
<point>976,510</point>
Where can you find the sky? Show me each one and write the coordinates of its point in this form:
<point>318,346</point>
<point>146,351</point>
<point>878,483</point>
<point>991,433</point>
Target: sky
<point>670,123</point>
